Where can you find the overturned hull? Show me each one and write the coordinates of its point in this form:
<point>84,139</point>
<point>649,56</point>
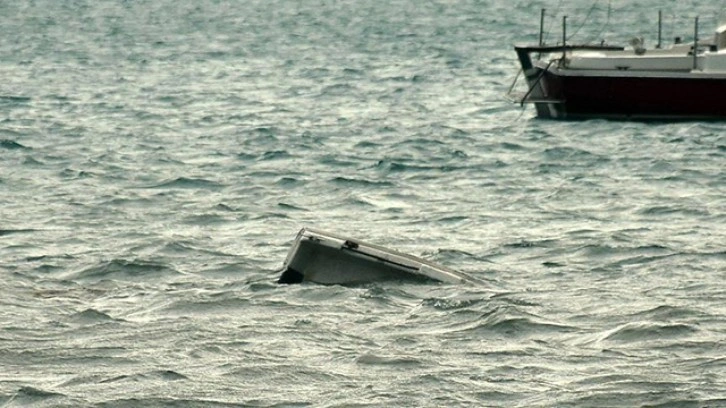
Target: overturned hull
<point>325,258</point>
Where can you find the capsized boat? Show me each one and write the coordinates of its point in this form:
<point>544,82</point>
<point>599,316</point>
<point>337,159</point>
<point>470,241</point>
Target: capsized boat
<point>325,258</point>
<point>683,81</point>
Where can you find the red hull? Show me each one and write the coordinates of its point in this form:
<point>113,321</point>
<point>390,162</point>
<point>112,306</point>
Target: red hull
<point>632,97</point>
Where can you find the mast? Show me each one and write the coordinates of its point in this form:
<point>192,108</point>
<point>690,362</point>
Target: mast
<point>541,27</point>
<point>660,28</point>
<point>695,44</point>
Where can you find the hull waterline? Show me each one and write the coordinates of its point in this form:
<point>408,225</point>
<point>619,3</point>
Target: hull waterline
<point>567,95</point>
<point>325,258</point>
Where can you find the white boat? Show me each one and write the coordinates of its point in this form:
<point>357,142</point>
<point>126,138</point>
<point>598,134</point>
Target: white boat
<point>680,81</point>
<point>326,258</point>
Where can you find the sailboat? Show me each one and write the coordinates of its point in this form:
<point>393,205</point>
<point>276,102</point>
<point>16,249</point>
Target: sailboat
<point>681,81</point>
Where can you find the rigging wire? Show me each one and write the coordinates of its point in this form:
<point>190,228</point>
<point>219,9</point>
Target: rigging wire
<point>587,17</point>
<point>668,21</point>
<point>605,24</point>
<point>549,26</point>
<point>584,21</point>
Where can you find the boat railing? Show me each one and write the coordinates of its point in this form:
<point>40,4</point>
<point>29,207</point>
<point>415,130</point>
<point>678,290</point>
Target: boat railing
<point>525,59</point>
<point>524,51</point>
<point>536,82</point>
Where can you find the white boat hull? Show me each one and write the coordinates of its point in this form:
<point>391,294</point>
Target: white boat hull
<point>325,258</point>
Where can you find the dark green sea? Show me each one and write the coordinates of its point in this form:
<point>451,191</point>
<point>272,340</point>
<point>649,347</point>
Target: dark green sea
<point>157,159</point>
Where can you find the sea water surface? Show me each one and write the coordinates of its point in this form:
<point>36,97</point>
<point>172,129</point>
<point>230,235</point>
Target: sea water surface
<point>158,158</point>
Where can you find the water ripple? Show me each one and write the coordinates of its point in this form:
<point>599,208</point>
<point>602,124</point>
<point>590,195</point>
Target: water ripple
<point>159,157</point>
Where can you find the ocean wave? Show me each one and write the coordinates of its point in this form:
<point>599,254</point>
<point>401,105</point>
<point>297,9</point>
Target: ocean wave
<point>377,359</point>
<point>503,321</point>
<point>11,145</point>
<point>644,397</point>
<point>399,166</point>
<point>524,326</point>
<point>667,313</point>
<point>673,209</point>
<point>447,304</point>
<point>603,250</point>
<point>91,316</point>
<point>207,306</point>
<point>11,100</point>
<point>33,162</point>
<point>339,90</point>
<point>356,181</point>
<point>27,396</point>
<point>646,331</point>
<point>541,243</point>
<point>155,375</point>
<point>188,182</point>
<point>123,269</point>
<point>274,155</point>
<point>567,153</point>
<point>4,232</point>
<point>188,403</point>
<point>205,220</point>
